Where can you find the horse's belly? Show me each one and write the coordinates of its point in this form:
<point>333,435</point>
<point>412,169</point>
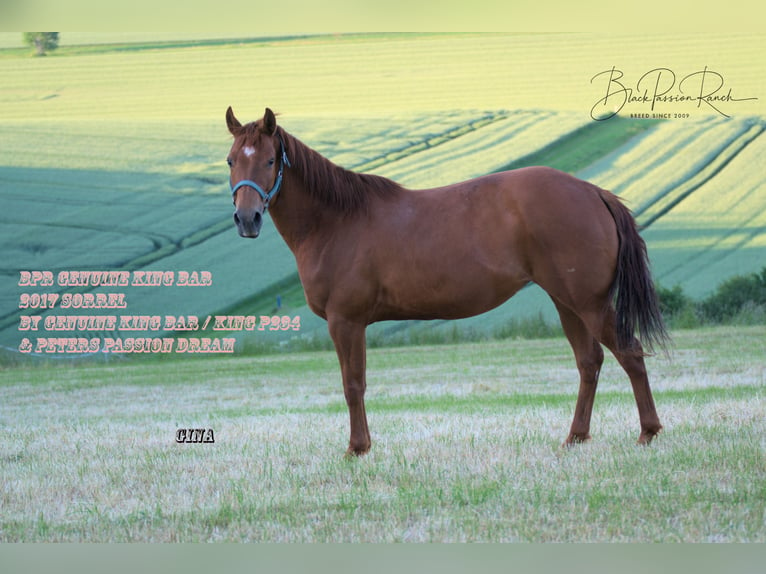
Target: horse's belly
<point>457,294</point>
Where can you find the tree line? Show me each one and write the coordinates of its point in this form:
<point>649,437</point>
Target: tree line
<point>739,300</point>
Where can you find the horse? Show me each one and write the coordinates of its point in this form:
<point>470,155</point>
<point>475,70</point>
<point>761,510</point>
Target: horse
<point>368,249</point>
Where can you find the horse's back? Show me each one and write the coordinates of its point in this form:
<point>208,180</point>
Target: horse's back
<point>460,250</point>
<point>549,211</point>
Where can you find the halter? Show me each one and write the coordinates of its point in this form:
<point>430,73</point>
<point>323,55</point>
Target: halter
<point>266,196</point>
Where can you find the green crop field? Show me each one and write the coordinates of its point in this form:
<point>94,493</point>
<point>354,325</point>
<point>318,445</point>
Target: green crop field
<point>111,153</point>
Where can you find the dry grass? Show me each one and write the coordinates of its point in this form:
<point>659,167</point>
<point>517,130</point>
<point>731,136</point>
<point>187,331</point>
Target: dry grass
<point>465,448</point>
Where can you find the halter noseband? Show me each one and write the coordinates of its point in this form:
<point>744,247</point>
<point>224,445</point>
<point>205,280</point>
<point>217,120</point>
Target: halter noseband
<point>266,196</point>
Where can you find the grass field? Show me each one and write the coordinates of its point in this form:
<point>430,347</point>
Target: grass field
<point>466,447</point>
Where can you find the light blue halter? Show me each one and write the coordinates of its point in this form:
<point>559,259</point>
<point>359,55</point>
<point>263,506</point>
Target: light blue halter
<point>266,196</point>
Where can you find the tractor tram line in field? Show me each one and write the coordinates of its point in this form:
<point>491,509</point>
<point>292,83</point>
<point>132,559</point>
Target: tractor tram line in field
<point>428,142</point>
<point>719,228</point>
<point>650,212</point>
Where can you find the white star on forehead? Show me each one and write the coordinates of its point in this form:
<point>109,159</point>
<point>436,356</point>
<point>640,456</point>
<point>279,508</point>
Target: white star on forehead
<point>249,151</point>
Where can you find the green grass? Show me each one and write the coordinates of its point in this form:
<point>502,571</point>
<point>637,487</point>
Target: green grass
<point>465,448</point>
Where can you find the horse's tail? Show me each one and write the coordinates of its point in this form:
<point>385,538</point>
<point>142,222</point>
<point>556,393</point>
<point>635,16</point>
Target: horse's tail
<point>635,299</point>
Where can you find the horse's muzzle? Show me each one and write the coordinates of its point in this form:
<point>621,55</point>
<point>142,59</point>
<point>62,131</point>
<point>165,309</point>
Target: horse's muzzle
<point>248,225</point>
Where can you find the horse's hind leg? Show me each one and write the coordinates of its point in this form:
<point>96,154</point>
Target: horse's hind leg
<point>632,361</point>
<point>589,357</point>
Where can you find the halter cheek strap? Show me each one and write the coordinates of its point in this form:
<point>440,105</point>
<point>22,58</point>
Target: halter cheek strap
<point>267,196</point>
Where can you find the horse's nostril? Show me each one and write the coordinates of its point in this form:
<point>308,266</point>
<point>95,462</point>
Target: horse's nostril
<point>257,218</point>
<point>236,218</point>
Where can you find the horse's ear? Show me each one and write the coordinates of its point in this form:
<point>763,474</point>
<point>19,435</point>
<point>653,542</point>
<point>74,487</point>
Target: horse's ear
<point>232,123</point>
<point>269,122</point>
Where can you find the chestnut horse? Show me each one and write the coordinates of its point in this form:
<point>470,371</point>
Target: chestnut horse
<point>368,250</point>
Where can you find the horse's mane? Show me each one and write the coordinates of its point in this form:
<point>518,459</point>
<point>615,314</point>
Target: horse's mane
<point>334,186</point>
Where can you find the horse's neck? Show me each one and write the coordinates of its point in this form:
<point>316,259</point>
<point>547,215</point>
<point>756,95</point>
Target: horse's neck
<point>296,215</point>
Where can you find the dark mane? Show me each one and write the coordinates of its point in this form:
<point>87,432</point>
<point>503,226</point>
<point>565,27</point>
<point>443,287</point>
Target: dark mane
<point>335,186</point>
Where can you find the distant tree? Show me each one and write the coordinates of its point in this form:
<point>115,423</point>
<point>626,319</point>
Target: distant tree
<point>736,295</point>
<point>42,42</point>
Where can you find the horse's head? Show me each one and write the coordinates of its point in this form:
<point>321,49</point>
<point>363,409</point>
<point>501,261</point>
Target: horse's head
<point>256,160</point>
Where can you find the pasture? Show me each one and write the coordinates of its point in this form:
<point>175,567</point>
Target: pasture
<point>466,447</point>
<point>112,157</point>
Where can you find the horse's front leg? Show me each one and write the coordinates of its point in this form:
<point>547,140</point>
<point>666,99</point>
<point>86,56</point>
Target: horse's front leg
<point>349,339</point>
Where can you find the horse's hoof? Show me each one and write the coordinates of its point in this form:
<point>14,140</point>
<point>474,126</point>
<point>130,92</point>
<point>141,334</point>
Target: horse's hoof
<point>646,436</point>
<point>575,439</point>
<point>354,453</point>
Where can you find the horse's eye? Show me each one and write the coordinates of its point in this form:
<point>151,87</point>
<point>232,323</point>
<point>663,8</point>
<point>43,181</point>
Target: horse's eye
<point>271,162</point>
<point>229,162</point>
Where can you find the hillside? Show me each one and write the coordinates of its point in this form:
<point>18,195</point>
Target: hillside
<point>113,158</point>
